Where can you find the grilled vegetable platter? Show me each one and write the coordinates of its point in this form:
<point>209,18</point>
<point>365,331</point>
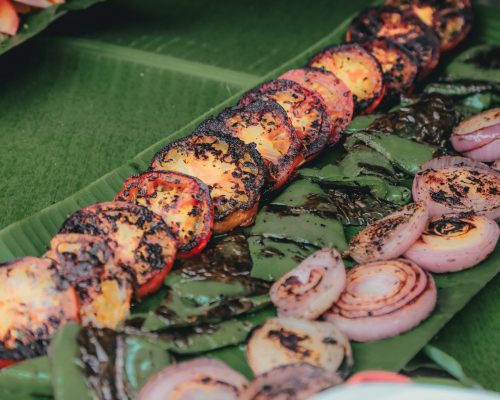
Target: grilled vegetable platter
<point>314,228</point>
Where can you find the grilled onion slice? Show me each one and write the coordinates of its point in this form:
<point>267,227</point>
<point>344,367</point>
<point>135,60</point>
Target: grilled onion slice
<point>290,382</point>
<point>383,299</point>
<point>390,236</point>
<point>458,190</point>
<point>403,28</point>
<point>141,242</point>
<point>398,65</point>
<point>336,95</point>
<point>182,201</point>
<point>453,161</point>
<point>306,110</point>
<point>104,290</point>
<point>234,172</point>
<point>34,303</point>
<point>283,341</point>
<point>312,287</point>
<point>203,378</point>
<point>266,124</point>
<point>478,137</point>
<point>358,69</point>
<point>452,243</point>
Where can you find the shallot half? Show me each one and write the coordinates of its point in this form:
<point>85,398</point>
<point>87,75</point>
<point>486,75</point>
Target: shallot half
<point>312,287</point>
<point>452,243</point>
<point>390,236</point>
<point>478,137</point>
<point>202,378</point>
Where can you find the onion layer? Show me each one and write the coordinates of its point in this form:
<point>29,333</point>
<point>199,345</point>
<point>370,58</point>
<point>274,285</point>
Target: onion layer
<point>390,236</point>
<point>290,382</point>
<point>488,152</point>
<point>312,287</point>
<point>202,378</point>
<point>459,190</point>
<point>383,299</point>
<point>283,341</point>
<point>452,161</point>
<point>477,131</point>
<point>453,243</point>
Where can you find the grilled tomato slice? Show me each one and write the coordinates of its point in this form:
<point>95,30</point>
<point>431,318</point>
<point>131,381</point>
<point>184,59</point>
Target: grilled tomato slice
<point>450,19</point>
<point>403,28</point>
<point>336,95</point>
<point>399,66</point>
<point>141,242</point>
<point>34,302</point>
<point>182,201</point>
<point>358,69</point>
<point>104,289</point>
<point>306,110</point>
<point>266,124</point>
<point>234,172</point>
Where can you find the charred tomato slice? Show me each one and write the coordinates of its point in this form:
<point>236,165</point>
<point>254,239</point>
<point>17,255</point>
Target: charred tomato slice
<point>335,94</point>
<point>141,242</point>
<point>104,289</point>
<point>358,69</point>
<point>401,27</point>
<point>266,124</point>
<point>182,201</point>
<point>306,110</point>
<point>234,172</point>
<point>452,26</point>
<point>34,302</point>
<point>450,19</point>
<point>398,64</point>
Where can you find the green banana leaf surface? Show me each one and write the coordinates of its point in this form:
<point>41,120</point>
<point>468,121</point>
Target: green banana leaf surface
<point>86,104</point>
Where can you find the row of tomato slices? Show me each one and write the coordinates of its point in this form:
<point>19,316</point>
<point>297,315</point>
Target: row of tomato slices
<point>107,254</point>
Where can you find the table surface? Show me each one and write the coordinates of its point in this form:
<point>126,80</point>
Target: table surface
<point>66,119</point>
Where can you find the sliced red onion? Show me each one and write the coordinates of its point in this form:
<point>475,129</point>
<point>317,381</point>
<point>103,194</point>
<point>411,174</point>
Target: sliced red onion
<point>477,131</point>
<point>290,382</point>
<point>454,243</point>
<point>203,378</point>
<point>390,236</point>
<point>312,287</point>
<point>452,161</point>
<point>283,341</point>
<point>455,190</point>
<point>383,299</point>
<point>489,152</point>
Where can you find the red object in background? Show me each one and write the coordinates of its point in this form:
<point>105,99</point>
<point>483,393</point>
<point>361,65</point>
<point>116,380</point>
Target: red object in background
<point>377,376</point>
<point>9,20</point>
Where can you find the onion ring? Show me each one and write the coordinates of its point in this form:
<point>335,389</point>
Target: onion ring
<point>453,243</point>
<point>390,236</point>
<point>312,287</point>
<point>459,190</point>
<point>203,378</point>
<point>383,299</point>
<point>488,152</point>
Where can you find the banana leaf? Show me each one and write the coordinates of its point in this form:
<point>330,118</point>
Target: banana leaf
<point>36,21</point>
<point>121,94</point>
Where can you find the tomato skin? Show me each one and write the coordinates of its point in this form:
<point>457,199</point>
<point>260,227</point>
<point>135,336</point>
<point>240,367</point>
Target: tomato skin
<point>5,363</point>
<point>9,20</point>
<point>377,376</point>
